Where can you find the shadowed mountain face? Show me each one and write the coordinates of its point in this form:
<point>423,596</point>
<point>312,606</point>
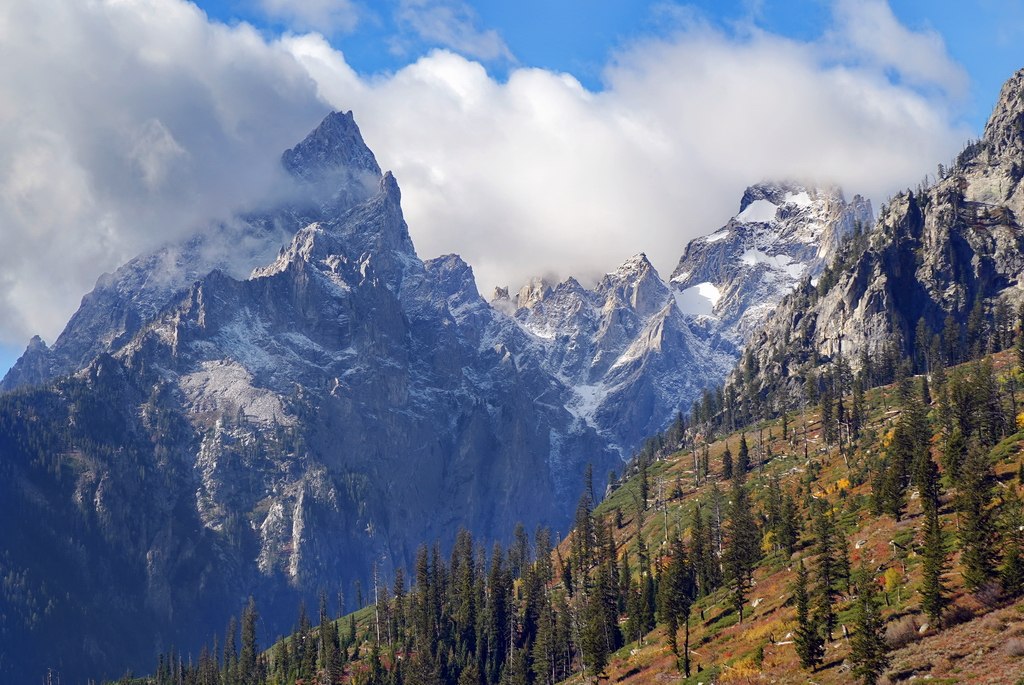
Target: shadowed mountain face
<point>236,423</point>
<point>289,398</point>
<point>942,267</point>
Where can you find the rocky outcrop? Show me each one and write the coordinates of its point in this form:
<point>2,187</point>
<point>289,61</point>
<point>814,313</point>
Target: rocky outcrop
<point>333,407</point>
<point>624,349</point>
<point>636,350</point>
<point>935,255</point>
<point>784,233</point>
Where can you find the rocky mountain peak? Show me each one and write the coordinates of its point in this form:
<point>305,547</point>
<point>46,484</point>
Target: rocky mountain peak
<point>766,190</point>
<point>379,224</point>
<point>637,283</point>
<point>335,144</point>
<point>453,275</point>
<point>533,292</point>
<point>1004,131</point>
<point>768,201</point>
<point>636,266</point>
<point>36,344</point>
<point>784,232</point>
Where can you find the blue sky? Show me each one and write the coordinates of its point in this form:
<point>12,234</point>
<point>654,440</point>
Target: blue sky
<point>129,124</point>
<point>581,36</point>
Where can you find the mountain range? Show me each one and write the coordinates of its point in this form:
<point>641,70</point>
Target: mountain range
<point>287,401</point>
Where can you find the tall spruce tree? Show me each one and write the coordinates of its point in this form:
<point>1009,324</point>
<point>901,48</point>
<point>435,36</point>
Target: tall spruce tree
<point>977,539</point>
<point>825,546</point>
<point>248,671</point>
<point>807,639</point>
<point>1011,573</point>
<point>676,595</point>
<point>742,549</point>
<point>743,456</point>
<point>593,637</point>
<point>869,652</point>
<point>934,596</point>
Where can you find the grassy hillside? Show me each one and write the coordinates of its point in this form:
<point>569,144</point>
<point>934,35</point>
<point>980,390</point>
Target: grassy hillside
<point>518,617</point>
<point>982,635</point>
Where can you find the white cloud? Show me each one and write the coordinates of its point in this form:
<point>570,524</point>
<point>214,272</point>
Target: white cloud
<point>124,123</point>
<point>326,16</point>
<point>868,30</point>
<point>540,175</point>
<point>450,24</point>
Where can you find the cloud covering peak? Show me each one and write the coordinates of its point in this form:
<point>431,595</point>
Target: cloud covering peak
<point>124,124</point>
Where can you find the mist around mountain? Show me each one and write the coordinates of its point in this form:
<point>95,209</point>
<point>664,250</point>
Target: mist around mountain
<point>294,402</point>
<point>841,513</point>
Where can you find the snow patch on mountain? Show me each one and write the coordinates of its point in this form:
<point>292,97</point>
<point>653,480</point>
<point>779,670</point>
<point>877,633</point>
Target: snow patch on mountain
<point>784,232</point>
<point>758,211</point>
<point>698,300</point>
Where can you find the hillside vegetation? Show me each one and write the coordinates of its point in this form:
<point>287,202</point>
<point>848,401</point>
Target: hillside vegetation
<point>867,536</point>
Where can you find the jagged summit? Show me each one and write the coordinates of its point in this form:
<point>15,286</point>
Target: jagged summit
<point>794,193</point>
<point>335,144</point>
<point>338,173</point>
<point>637,283</point>
<point>1004,131</point>
<point>623,348</point>
<point>784,233</point>
<point>940,256</point>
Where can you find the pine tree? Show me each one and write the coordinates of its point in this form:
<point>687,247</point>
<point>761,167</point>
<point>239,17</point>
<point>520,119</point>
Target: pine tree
<point>743,456</point>
<point>976,531</point>
<point>869,652</point>
<point>700,553</point>
<point>828,415</point>
<point>230,663</point>
<point>247,664</point>
<point>306,646</point>
<point>809,645</point>
<point>933,592</point>
<point>1020,339</point>
<point>727,465</point>
<point>922,338</point>
<point>593,640</point>
<point>824,530</point>
<point>544,649</point>
<point>954,454</point>
<point>985,389</point>
<point>857,407</point>
<point>677,593</point>
<point>498,611</point>
<point>1011,573</point>
<point>742,549</point>
<point>645,486</point>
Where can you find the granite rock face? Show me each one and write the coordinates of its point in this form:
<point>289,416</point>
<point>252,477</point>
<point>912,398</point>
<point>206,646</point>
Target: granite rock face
<point>935,255</point>
<point>636,350</point>
<point>218,421</point>
<point>784,233</point>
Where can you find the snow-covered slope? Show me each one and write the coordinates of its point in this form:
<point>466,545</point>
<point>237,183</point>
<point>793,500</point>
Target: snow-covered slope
<point>635,350</point>
<point>784,233</point>
<point>332,170</point>
<point>624,348</point>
